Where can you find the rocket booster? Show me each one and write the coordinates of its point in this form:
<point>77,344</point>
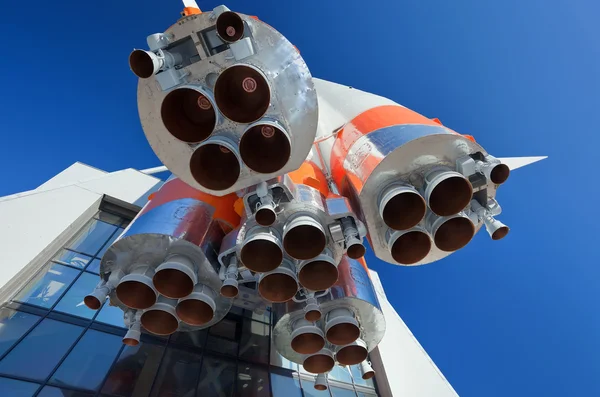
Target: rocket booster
<point>280,179</point>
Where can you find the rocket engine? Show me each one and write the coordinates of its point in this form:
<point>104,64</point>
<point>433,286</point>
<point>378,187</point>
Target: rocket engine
<point>279,181</point>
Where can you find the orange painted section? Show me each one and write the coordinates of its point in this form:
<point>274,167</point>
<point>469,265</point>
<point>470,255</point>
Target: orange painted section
<point>365,123</point>
<point>363,262</point>
<point>310,174</point>
<point>175,189</point>
<point>191,11</point>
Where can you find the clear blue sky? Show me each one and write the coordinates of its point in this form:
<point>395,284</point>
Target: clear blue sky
<point>512,318</point>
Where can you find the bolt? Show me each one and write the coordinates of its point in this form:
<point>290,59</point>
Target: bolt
<point>204,103</point>
<point>230,31</point>
<point>249,84</point>
<point>267,131</point>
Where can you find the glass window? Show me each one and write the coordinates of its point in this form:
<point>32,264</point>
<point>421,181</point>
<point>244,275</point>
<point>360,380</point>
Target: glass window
<point>72,258</point>
<point>284,386</point>
<point>94,266</point>
<point>89,361</point>
<point>109,218</point>
<point>111,315</point>
<point>338,392</point>
<point>178,374</point>
<point>47,343</point>
<point>265,317</point>
<point>357,375</point>
<point>134,371</point>
<point>50,391</point>
<point>17,388</point>
<point>13,325</point>
<point>48,285</point>
<point>340,374</point>
<point>194,338</point>
<point>254,343</point>
<point>309,390</point>
<point>364,394</point>
<point>109,243</point>
<point>92,237</point>
<point>72,301</point>
<point>279,361</point>
<point>217,377</point>
<point>222,337</point>
<point>252,381</point>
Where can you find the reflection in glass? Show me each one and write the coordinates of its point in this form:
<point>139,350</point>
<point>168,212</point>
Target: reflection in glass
<point>194,338</point>
<point>309,390</point>
<point>254,343</point>
<point>48,285</point>
<point>357,375</point>
<point>283,386</point>
<point>252,381</point>
<point>134,372</point>
<point>109,218</point>
<point>111,315</point>
<point>72,301</point>
<point>217,377</point>
<point>364,394</point>
<point>94,266</point>
<point>338,392</point>
<point>13,325</point>
<point>279,361</point>
<point>109,243</point>
<point>340,374</point>
<point>17,388</point>
<point>222,337</point>
<point>178,374</point>
<point>72,258</point>
<point>48,342</point>
<point>92,237</point>
<point>49,391</point>
<point>89,361</point>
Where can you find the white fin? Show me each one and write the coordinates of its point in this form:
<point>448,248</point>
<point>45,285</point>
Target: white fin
<point>518,162</point>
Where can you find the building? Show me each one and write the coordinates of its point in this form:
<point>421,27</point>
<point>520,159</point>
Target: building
<point>51,344</point>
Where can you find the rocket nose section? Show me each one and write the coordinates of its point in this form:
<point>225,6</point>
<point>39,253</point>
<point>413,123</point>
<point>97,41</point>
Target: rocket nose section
<point>517,162</point>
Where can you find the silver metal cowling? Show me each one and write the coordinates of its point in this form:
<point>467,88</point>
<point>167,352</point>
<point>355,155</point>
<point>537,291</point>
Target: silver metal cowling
<point>293,100</point>
<point>180,227</point>
<point>353,291</point>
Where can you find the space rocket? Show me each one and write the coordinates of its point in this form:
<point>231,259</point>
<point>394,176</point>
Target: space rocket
<point>279,181</point>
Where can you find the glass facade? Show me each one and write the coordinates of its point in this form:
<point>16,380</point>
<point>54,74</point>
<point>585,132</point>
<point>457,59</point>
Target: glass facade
<point>51,344</point>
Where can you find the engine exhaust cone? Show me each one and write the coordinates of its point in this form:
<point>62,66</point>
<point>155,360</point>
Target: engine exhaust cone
<point>279,285</point>
<point>353,353</point>
<point>261,252</point>
<point>341,327</point>
<point>230,288</point>
<point>304,238</point>
<point>447,192</point>
<point>230,27</point>
<point>242,94</point>
<point>161,319</point>
<point>188,114</point>
<point>356,251</point>
<point>265,215</point>
<point>97,297</point>
<point>366,370</point>
<point>321,382</point>
<point>496,229</point>
<point>215,166</point>
<point>319,362</point>
<point>307,338</point>
<point>500,174</point>
<point>409,247</point>
<point>312,311</point>
<point>199,307</point>
<point>136,289</point>
<point>452,233</point>
<point>318,274</point>
<point>132,337</point>
<point>402,207</point>
<point>265,148</point>
<point>143,64</point>
<point>175,278</point>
